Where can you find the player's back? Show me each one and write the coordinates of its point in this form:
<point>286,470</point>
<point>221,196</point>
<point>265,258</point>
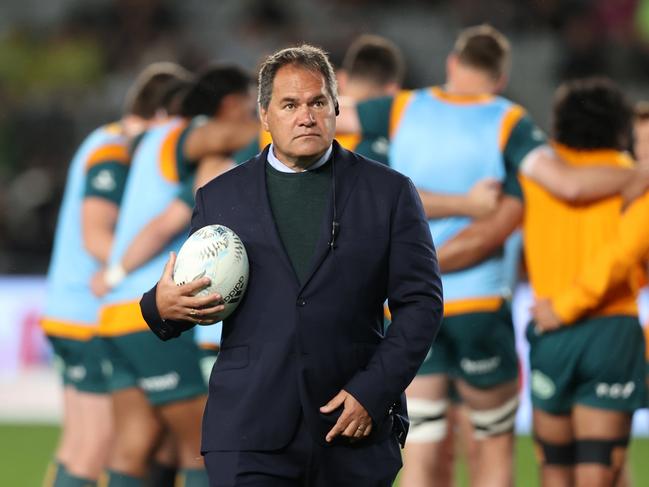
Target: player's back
<point>152,184</point>
<point>69,299</point>
<point>562,239</point>
<point>446,143</point>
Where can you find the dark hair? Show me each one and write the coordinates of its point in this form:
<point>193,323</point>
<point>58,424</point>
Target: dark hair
<point>485,48</point>
<point>306,56</point>
<point>172,100</point>
<point>149,93</point>
<point>211,86</point>
<point>592,113</point>
<point>375,59</point>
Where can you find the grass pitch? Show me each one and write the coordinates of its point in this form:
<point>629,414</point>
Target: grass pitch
<point>25,451</point>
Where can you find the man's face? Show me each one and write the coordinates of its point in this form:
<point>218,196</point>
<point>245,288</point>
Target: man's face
<point>641,142</point>
<point>300,116</point>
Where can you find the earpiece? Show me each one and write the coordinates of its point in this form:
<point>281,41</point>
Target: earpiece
<point>337,108</point>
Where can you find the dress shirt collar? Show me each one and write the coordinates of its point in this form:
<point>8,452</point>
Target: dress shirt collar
<point>281,167</point>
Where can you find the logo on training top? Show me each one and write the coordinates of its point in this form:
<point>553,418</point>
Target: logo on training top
<point>615,390</point>
<point>483,366</point>
<point>104,181</point>
<point>381,146</point>
<point>537,134</point>
<point>542,385</point>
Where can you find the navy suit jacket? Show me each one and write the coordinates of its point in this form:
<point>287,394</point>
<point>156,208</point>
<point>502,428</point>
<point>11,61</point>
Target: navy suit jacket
<point>290,347</point>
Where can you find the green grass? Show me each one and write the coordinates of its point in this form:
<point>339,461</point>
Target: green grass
<point>25,451</point>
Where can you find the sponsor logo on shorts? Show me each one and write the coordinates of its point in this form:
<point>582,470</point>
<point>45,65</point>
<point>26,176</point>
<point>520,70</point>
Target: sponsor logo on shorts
<point>106,368</point>
<point>542,385</point>
<point>160,383</point>
<point>483,366</point>
<point>616,390</point>
<point>76,373</point>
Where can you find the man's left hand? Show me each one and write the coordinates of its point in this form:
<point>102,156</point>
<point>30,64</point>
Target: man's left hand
<point>544,316</point>
<point>354,422</point>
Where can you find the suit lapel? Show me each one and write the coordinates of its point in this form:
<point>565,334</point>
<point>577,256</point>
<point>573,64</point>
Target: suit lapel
<point>258,193</point>
<point>345,171</point>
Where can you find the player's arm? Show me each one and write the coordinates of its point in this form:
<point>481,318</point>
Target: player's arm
<point>577,184</point>
<point>482,238</point>
<point>218,137</point>
<point>148,243</point>
<point>157,234</point>
<point>526,149</point>
<point>479,202</point>
<point>612,265</point>
<point>248,152</point>
<point>105,181</point>
<point>369,118</point>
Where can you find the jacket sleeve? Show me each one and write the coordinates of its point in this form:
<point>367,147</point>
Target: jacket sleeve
<point>415,300</point>
<point>168,329</point>
<point>611,266</point>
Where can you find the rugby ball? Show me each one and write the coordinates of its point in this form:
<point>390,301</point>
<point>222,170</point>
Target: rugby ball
<point>217,252</point>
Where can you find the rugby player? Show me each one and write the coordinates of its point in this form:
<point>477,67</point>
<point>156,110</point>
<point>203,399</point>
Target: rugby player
<point>585,314</point>
<point>84,236</point>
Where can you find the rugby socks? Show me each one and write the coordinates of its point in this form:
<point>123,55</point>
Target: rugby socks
<point>161,476</point>
<point>193,477</point>
<point>116,479</point>
<point>54,475</point>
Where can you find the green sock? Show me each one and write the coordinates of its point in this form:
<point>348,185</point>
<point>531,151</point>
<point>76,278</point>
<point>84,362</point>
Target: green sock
<point>193,477</point>
<point>72,481</point>
<point>116,479</point>
<point>54,475</point>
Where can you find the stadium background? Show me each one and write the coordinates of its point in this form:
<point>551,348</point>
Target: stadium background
<point>65,66</point>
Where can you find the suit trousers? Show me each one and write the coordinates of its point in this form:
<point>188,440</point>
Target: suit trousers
<point>306,463</point>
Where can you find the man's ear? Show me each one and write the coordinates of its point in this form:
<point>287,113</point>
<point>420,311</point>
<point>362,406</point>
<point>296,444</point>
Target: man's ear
<point>263,118</point>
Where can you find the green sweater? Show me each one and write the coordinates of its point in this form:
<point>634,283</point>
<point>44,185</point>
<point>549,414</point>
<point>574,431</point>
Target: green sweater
<point>298,202</point>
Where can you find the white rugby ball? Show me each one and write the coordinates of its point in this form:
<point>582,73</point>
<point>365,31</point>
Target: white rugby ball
<point>217,252</point>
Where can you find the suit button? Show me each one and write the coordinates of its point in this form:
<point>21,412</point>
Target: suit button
<point>301,301</point>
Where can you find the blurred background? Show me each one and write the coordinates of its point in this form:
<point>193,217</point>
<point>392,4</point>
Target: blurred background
<point>65,66</point>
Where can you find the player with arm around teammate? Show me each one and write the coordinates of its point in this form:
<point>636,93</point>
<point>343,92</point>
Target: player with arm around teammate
<point>581,427</point>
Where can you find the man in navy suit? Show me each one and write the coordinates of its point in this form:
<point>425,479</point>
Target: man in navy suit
<point>308,387</point>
